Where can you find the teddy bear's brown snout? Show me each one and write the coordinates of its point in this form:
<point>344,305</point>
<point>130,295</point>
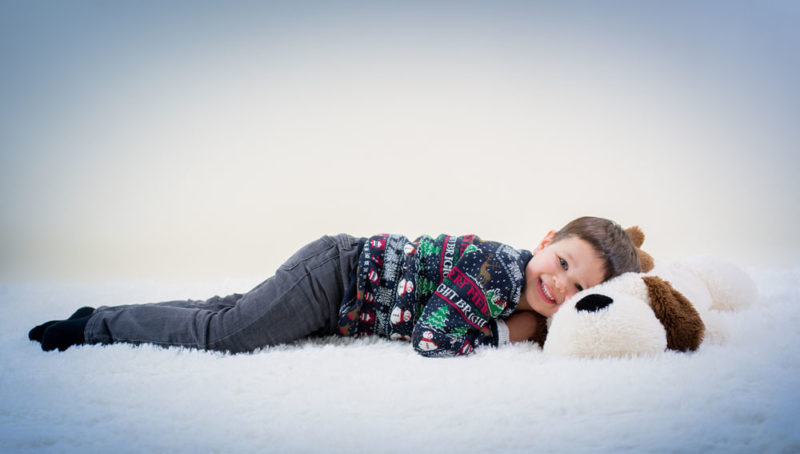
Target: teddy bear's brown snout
<point>593,302</point>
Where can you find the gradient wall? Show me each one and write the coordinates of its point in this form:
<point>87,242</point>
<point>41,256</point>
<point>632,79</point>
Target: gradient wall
<point>207,140</point>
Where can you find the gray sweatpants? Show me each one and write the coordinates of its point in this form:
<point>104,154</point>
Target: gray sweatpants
<point>301,299</point>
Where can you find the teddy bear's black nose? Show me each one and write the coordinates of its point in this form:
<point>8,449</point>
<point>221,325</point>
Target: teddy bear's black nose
<point>593,302</point>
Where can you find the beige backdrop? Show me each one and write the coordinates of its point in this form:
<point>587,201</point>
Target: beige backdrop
<point>184,142</point>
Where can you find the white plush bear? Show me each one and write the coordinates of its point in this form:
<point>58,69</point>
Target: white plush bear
<point>672,307</point>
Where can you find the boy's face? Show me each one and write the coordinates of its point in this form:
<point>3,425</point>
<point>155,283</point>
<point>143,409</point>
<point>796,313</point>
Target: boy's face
<point>559,270</point>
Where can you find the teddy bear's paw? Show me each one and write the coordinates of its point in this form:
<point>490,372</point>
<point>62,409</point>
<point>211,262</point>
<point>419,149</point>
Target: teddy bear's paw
<point>730,287</point>
<point>717,329</point>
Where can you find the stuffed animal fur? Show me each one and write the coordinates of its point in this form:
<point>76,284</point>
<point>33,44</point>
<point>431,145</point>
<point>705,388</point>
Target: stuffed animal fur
<point>669,307</point>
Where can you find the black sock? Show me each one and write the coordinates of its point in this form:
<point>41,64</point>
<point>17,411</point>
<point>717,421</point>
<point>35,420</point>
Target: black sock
<point>37,333</point>
<point>64,334</point>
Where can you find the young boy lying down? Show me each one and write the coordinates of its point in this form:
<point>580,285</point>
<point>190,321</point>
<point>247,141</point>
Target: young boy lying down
<point>447,295</point>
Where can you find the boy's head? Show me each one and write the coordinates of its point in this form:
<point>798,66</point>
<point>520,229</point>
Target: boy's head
<point>584,253</point>
<point>609,240</point>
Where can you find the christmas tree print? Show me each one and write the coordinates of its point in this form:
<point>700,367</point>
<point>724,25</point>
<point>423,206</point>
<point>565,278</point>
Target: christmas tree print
<point>425,286</point>
<point>427,247</point>
<point>438,318</point>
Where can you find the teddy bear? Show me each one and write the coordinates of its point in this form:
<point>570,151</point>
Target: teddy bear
<point>675,306</point>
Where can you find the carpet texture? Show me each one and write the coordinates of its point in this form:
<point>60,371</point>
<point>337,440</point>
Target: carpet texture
<point>376,395</point>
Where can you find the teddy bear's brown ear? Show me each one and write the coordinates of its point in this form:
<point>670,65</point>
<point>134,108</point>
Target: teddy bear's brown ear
<point>683,324</point>
<point>637,237</point>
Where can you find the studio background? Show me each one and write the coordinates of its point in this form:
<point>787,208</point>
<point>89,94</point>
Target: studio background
<point>208,140</point>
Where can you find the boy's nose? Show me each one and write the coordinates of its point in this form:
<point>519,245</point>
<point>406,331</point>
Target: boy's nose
<point>563,289</point>
<point>559,284</point>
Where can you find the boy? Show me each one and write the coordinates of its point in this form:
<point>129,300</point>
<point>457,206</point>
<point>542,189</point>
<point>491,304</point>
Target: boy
<point>447,295</point>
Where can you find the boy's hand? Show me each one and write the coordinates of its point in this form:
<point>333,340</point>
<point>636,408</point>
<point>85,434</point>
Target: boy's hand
<point>521,326</point>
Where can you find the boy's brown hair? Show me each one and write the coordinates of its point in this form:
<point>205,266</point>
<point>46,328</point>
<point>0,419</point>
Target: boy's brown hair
<point>609,240</point>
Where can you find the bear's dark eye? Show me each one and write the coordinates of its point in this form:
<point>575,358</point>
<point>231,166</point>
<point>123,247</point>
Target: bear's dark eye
<point>593,303</point>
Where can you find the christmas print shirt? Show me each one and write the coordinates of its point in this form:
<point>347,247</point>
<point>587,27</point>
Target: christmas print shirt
<point>447,295</point>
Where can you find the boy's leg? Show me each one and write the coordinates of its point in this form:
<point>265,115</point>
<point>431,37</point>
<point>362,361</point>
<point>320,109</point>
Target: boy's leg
<point>302,298</point>
<point>216,302</point>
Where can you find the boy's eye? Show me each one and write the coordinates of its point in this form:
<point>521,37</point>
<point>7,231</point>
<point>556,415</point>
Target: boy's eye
<point>579,287</point>
<point>563,263</point>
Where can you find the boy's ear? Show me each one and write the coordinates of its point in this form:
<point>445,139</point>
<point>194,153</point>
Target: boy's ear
<point>545,241</point>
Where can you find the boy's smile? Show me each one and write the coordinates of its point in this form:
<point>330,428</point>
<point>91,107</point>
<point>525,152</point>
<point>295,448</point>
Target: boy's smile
<point>557,271</point>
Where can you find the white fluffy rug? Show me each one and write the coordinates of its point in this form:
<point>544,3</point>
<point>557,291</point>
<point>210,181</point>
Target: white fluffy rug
<point>379,396</point>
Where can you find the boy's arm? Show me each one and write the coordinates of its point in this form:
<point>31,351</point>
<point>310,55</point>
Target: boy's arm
<point>526,325</point>
<point>462,312</point>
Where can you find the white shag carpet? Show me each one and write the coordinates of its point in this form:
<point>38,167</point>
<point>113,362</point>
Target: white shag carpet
<point>379,396</point>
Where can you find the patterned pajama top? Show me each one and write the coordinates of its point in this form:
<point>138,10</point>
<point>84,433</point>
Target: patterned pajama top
<point>447,295</point>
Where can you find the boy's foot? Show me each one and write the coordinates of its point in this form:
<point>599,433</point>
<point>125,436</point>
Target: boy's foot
<point>64,334</point>
<point>37,333</point>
